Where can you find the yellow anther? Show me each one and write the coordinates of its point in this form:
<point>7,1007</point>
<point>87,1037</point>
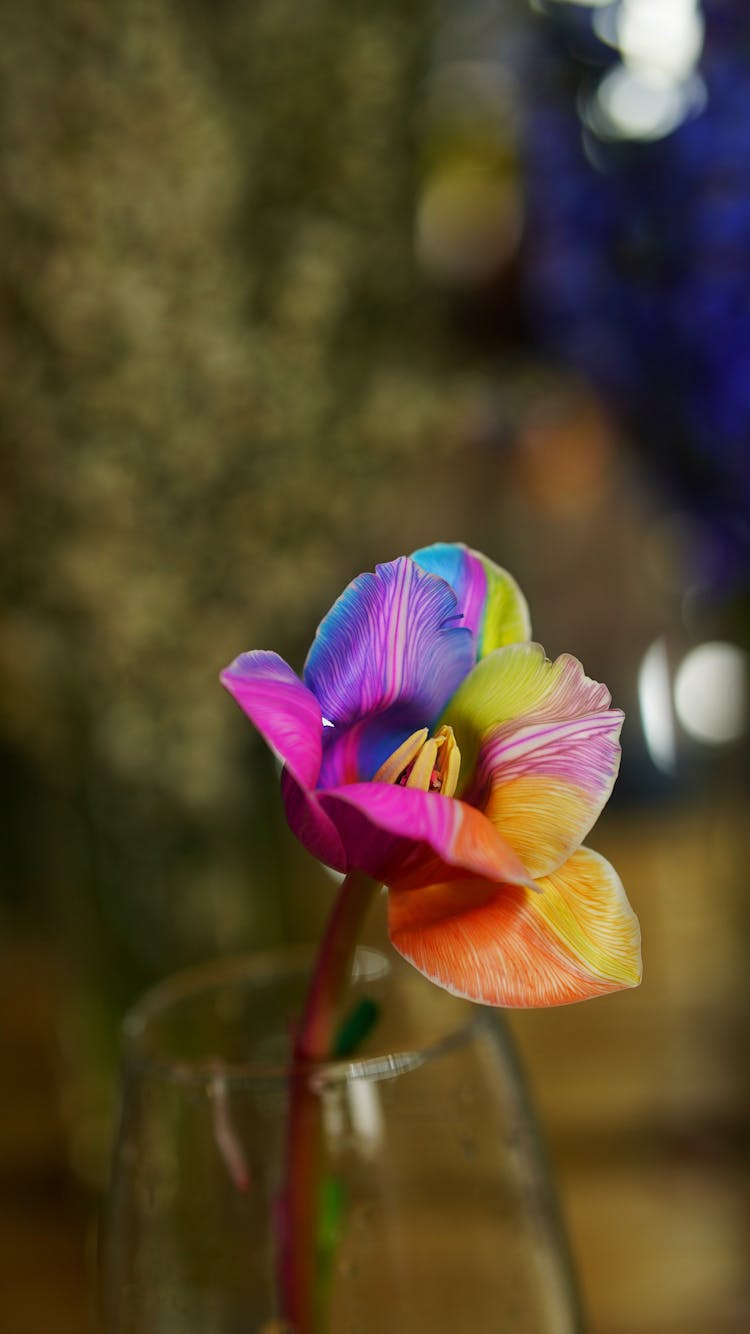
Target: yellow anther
<point>448,760</point>
<point>420,774</point>
<point>432,765</point>
<point>407,752</point>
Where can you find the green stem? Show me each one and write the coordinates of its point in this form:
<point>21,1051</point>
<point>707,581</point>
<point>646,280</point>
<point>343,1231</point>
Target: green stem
<point>301,1290</point>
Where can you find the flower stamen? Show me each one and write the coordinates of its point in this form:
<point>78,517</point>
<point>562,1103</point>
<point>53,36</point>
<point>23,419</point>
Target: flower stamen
<point>402,758</point>
<point>430,764</point>
<point>420,774</point>
<point>449,760</point>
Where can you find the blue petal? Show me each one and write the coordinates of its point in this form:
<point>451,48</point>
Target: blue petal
<point>489,599</point>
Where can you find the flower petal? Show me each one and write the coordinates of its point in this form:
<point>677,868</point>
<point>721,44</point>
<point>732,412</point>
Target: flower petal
<point>285,712</point>
<point>386,659</point>
<point>544,749</point>
<point>504,945</point>
<point>489,599</point>
<point>406,836</point>
<point>307,819</point>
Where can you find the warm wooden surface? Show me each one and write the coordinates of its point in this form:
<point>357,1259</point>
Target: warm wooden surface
<point>46,1220</point>
<point>644,1098</point>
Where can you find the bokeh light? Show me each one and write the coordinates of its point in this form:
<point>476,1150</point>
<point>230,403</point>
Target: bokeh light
<point>710,693</point>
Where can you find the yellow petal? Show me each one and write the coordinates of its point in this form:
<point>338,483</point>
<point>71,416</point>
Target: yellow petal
<point>543,745</point>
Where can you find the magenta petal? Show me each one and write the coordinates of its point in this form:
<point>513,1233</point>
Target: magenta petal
<point>388,657</point>
<point>285,712</point>
<point>405,836</point>
<point>313,827</point>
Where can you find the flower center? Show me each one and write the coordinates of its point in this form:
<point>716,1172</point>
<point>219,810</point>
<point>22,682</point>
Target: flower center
<point>428,763</point>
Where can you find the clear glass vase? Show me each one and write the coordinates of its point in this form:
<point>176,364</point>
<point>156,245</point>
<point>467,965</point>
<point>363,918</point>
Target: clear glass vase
<point>434,1207</point>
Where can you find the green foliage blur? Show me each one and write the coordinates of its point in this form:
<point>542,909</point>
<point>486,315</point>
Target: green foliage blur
<point>221,392</point>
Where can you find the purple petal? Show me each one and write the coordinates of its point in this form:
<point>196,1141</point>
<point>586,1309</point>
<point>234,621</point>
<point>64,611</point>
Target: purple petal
<point>405,836</point>
<point>351,754</point>
<point>285,712</point>
<point>489,599</point>
<point>387,657</point>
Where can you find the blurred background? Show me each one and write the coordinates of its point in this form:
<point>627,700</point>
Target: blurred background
<point>289,290</point>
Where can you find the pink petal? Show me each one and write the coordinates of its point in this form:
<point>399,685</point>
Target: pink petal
<point>405,836</point>
<point>544,747</point>
<point>285,712</point>
<point>505,945</point>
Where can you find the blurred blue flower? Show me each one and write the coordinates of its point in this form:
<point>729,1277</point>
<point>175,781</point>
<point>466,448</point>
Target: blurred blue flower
<point>637,258</point>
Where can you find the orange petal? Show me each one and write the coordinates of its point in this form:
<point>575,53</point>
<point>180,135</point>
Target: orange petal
<point>506,945</point>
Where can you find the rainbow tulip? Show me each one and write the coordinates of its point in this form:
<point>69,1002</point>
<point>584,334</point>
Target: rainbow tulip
<point>432,747</point>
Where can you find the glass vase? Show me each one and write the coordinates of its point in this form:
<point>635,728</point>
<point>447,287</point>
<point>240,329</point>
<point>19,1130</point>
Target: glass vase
<point>434,1209</point>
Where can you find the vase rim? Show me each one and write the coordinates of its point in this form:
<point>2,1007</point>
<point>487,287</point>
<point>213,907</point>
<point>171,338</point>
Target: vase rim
<point>255,969</point>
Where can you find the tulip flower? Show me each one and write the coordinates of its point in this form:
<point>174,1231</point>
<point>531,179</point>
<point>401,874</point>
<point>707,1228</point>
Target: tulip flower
<point>432,747</point>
